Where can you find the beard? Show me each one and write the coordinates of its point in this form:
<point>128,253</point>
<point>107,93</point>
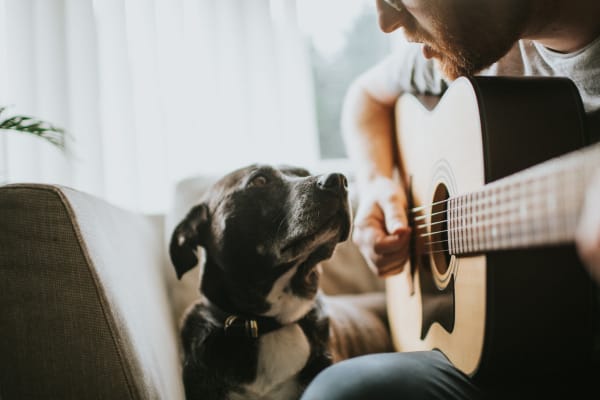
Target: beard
<point>463,46</point>
<point>468,59</point>
<point>471,55</point>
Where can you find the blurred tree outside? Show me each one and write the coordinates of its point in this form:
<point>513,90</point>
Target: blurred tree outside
<point>365,44</point>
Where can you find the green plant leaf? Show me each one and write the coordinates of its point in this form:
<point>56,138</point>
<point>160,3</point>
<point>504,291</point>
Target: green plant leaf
<point>31,125</point>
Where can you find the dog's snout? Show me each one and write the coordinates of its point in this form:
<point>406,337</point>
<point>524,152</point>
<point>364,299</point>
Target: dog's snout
<point>333,182</point>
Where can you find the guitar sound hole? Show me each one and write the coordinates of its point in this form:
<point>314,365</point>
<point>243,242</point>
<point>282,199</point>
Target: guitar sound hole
<point>439,229</point>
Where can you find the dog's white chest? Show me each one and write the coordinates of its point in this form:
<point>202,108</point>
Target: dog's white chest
<point>282,354</point>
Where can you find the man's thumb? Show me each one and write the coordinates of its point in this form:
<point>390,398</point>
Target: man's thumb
<point>395,218</point>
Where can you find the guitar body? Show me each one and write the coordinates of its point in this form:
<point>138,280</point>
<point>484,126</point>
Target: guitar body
<point>518,311</point>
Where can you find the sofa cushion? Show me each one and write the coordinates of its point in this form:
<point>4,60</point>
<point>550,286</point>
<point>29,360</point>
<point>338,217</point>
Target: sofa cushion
<point>85,310</point>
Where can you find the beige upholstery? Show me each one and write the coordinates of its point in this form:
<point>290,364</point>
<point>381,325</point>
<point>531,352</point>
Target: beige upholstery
<point>84,305</point>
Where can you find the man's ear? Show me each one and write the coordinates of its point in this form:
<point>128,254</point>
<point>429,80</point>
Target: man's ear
<point>187,236</point>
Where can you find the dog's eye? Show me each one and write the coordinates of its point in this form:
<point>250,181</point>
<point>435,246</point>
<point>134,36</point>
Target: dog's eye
<point>258,180</point>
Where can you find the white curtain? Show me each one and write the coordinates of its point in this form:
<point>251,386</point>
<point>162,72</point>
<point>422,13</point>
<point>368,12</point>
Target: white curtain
<point>153,91</point>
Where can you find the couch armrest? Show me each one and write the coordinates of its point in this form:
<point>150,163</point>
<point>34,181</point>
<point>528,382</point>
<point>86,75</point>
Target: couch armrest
<point>84,311</point>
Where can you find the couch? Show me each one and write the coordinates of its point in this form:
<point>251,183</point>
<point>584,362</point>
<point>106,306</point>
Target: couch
<point>89,302</point>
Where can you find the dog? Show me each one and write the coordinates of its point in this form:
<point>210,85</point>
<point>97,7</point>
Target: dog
<point>262,328</point>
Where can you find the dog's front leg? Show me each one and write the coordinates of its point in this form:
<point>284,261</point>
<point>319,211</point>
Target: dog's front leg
<point>317,330</point>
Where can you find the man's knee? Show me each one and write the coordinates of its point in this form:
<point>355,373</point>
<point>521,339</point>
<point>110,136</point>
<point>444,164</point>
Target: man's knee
<point>376,376</point>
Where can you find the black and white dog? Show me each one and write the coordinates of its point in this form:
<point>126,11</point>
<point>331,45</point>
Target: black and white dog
<point>262,328</point>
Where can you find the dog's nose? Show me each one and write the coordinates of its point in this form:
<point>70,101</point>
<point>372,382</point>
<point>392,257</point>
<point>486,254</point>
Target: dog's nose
<point>333,182</point>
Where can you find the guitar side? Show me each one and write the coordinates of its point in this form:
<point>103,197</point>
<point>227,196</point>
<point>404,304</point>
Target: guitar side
<point>486,311</point>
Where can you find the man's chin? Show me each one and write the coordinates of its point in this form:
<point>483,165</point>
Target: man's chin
<point>450,70</point>
<point>449,67</point>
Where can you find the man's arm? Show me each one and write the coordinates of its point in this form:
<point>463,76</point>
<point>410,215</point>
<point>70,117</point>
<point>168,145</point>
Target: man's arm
<point>367,126</point>
<point>380,225</point>
<point>587,237</point>
<point>380,228</point>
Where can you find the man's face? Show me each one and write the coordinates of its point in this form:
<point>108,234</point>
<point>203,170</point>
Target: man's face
<point>464,36</point>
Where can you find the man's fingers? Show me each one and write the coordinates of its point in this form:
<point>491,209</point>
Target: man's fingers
<point>395,213</point>
<point>392,243</point>
<point>587,235</point>
<point>366,236</point>
<point>381,231</point>
<point>385,254</point>
<point>391,264</point>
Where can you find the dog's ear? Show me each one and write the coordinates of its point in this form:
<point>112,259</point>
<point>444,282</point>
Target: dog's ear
<point>187,236</point>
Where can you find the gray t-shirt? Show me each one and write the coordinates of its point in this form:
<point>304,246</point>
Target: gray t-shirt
<point>532,59</point>
<point>409,71</point>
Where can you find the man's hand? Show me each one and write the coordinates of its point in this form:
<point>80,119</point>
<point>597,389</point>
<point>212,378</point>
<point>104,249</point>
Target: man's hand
<point>587,237</point>
<point>380,226</point>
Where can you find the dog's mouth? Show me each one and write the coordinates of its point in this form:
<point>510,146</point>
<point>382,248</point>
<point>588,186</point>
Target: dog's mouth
<point>336,227</point>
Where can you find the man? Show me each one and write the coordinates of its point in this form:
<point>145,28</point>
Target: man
<point>453,38</point>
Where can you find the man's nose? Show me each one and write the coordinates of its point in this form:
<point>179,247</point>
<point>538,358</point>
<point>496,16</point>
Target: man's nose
<point>334,182</point>
<point>390,19</point>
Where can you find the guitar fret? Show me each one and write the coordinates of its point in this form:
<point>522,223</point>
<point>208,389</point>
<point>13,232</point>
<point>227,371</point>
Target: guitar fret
<point>459,221</point>
<point>517,227</point>
<point>528,211</point>
<point>471,223</point>
<point>502,234</point>
<point>465,224</point>
<point>456,224</point>
<point>451,227</point>
<point>477,221</point>
<point>514,212</point>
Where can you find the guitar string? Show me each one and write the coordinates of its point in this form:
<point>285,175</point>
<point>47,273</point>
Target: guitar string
<point>507,205</point>
<point>497,216</point>
<point>477,200</point>
<point>497,219</point>
<point>547,180</point>
<point>565,216</point>
<point>508,234</point>
<point>475,197</point>
<point>469,204</point>
<point>465,203</point>
<point>498,238</point>
<point>465,248</point>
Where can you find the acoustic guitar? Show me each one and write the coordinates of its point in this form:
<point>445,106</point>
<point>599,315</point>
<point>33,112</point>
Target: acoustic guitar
<point>495,171</point>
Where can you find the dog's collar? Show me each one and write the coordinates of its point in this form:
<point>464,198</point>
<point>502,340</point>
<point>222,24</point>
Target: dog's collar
<point>235,325</point>
<point>243,325</point>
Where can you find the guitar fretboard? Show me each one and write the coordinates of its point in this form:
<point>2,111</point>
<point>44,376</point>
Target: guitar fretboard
<point>536,206</point>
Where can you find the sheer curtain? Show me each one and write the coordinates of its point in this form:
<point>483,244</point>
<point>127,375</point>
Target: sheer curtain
<point>153,91</point>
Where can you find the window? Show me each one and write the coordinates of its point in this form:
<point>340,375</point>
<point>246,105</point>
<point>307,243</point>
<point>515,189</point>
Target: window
<point>343,41</point>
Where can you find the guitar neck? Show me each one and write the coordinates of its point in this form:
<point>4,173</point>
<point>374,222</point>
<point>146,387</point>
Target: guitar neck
<point>536,206</point>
